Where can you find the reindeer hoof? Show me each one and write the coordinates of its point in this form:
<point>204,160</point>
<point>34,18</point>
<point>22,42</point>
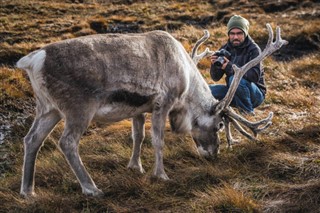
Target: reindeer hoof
<point>93,192</point>
<point>98,193</point>
<point>136,167</point>
<point>162,176</point>
<point>27,195</point>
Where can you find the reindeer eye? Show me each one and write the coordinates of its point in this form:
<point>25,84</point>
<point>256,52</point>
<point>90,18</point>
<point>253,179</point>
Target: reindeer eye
<point>221,125</point>
<point>195,123</point>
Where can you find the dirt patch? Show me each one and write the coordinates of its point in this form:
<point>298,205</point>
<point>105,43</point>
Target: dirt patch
<point>308,133</point>
<point>202,21</point>
<point>10,57</point>
<point>15,118</point>
<point>307,195</point>
<point>278,6</point>
<point>103,27</point>
<point>300,46</point>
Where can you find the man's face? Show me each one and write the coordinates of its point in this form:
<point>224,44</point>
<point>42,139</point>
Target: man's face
<point>236,37</point>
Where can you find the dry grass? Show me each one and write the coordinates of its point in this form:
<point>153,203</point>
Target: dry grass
<point>224,199</point>
<point>14,83</point>
<point>280,173</point>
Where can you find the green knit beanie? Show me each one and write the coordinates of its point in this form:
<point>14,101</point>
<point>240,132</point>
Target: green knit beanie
<point>239,22</point>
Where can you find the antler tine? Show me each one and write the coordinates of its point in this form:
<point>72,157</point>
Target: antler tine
<point>244,121</point>
<point>270,38</point>
<point>199,42</point>
<point>239,72</point>
<point>195,57</point>
<point>253,126</point>
<point>278,38</point>
<point>241,130</point>
<point>258,130</point>
<point>274,45</point>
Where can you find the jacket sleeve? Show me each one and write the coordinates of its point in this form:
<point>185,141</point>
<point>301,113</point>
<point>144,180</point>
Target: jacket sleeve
<point>229,70</point>
<point>216,73</point>
<point>253,74</point>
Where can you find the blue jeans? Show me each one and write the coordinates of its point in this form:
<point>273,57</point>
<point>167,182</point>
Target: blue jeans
<point>247,97</point>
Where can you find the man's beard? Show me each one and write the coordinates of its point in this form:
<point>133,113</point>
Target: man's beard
<point>236,44</point>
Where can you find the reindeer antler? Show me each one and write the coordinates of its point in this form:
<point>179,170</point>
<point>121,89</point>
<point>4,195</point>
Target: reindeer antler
<point>197,57</point>
<point>253,126</point>
<point>239,72</point>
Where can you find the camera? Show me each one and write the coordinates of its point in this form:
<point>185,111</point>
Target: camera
<point>220,60</point>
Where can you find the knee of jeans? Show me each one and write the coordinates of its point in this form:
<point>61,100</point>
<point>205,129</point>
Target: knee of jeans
<point>243,90</point>
<point>245,107</point>
<point>218,91</point>
<point>257,101</point>
<point>245,82</point>
<point>242,81</point>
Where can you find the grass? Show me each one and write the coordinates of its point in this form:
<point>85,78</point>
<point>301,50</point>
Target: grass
<point>280,173</point>
<point>15,84</point>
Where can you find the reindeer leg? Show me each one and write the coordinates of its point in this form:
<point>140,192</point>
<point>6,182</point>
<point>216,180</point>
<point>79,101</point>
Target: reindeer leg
<point>41,127</point>
<point>138,134</point>
<point>159,116</point>
<point>68,143</point>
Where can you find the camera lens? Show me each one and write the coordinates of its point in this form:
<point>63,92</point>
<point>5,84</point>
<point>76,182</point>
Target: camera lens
<point>218,63</point>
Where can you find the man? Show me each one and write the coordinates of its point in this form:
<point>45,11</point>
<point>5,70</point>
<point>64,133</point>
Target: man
<point>251,91</point>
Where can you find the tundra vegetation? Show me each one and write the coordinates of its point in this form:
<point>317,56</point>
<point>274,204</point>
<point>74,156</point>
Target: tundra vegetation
<point>279,173</point>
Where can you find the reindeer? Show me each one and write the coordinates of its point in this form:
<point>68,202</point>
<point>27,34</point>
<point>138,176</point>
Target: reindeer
<point>108,78</point>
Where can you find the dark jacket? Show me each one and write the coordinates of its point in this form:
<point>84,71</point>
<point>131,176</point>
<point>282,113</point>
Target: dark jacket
<point>240,55</point>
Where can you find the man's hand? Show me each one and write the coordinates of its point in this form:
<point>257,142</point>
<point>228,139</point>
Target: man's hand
<point>213,58</point>
<point>226,61</point>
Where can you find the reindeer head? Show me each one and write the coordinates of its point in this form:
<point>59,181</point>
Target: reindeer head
<point>205,129</point>
<point>205,134</point>
<point>203,125</point>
